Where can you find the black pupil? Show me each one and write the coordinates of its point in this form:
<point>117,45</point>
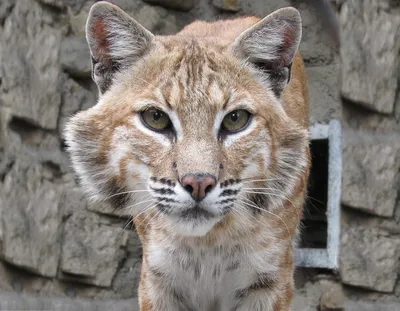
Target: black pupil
<point>234,116</point>
<point>156,115</point>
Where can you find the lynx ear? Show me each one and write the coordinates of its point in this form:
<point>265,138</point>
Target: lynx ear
<point>271,45</point>
<point>115,40</point>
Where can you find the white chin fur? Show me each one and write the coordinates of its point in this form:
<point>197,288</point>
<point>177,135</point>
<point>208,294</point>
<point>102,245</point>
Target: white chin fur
<point>193,228</point>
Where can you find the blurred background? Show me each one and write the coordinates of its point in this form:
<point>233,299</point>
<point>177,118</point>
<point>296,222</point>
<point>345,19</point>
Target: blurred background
<point>58,252</point>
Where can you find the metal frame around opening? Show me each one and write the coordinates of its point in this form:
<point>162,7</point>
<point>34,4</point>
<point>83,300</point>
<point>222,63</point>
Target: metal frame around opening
<point>329,257</point>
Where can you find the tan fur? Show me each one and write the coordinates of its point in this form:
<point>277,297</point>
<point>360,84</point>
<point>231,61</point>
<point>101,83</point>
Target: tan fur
<point>245,260</point>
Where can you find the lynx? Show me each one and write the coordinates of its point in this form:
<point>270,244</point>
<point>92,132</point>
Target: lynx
<point>203,135</point>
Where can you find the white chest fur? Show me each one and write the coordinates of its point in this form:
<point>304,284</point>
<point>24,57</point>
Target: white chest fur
<point>209,277</point>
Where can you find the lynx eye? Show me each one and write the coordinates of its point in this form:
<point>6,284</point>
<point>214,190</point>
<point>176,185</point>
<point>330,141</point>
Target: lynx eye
<point>235,121</point>
<point>156,119</point>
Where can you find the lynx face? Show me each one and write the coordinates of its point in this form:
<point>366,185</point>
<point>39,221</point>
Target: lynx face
<point>190,130</point>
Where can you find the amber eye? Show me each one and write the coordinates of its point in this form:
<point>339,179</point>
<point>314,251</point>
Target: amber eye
<point>156,119</point>
<point>236,120</point>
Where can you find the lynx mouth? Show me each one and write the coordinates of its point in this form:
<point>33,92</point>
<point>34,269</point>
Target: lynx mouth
<point>197,212</point>
<point>195,221</point>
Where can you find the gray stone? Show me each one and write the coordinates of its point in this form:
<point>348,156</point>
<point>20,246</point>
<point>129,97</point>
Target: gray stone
<point>5,9</point>
<point>369,259</point>
<point>324,94</point>
<point>226,5</point>
<point>370,59</point>
<point>90,250</point>
<point>30,76</point>
<point>316,47</point>
<point>371,172</point>
<point>23,137</point>
<point>371,306</point>
<point>332,298</point>
<point>14,301</point>
<point>78,20</point>
<point>74,98</point>
<point>56,3</point>
<point>31,219</point>
<point>5,279</point>
<point>184,5</point>
<point>127,279</point>
<point>156,19</point>
<point>262,8</point>
<point>301,303</point>
<point>307,297</point>
<point>5,116</point>
<point>357,118</point>
<point>75,5</point>
<point>73,199</point>
<point>75,56</point>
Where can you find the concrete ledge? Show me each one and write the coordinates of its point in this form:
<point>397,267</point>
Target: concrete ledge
<point>302,304</point>
<point>14,301</point>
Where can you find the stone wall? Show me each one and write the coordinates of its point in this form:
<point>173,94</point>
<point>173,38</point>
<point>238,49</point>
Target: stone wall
<point>370,76</point>
<point>56,244</point>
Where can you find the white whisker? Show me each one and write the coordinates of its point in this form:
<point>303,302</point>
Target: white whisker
<point>255,206</point>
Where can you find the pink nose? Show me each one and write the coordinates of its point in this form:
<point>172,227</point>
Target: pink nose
<point>198,185</point>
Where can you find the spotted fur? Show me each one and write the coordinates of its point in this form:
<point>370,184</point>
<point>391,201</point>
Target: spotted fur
<point>233,251</point>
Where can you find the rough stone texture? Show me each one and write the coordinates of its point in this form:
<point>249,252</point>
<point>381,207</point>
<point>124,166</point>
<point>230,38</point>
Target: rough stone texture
<point>127,279</point>
<point>184,5</point>
<point>74,98</point>
<point>5,9</point>
<point>369,259</point>
<point>156,19</point>
<point>92,249</point>
<point>332,299</point>
<point>75,56</point>
<point>357,118</point>
<point>5,281</point>
<point>30,76</point>
<point>56,3</point>
<point>77,20</point>
<point>316,289</point>
<point>301,304</point>
<point>370,59</point>
<point>324,94</point>
<point>226,5</point>
<point>31,218</point>
<point>316,47</point>
<point>263,8</point>
<point>370,182</point>
<point>13,301</point>
<point>73,200</point>
<point>371,306</point>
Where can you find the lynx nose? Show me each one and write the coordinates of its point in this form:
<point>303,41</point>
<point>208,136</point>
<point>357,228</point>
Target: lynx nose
<point>198,185</point>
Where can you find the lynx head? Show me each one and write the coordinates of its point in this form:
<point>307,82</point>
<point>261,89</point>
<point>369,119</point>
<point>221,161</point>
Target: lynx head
<point>185,124</point>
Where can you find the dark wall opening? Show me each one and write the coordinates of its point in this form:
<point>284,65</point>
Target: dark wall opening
<point>314,224</point>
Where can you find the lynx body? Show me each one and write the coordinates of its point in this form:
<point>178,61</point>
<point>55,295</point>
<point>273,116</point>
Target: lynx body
<point>203,135</point>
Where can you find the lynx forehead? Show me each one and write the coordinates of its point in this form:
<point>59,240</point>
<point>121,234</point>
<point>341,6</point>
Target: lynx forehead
<point>203,136</point>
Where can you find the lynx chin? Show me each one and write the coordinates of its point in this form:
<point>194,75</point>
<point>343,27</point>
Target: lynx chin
<point>203,135</point>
